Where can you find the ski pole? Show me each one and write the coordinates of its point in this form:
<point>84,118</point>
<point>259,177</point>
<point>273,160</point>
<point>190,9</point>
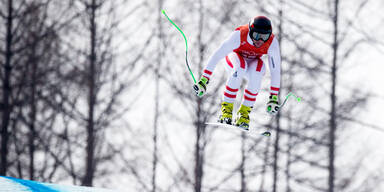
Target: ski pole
<point>186,44</point>
<point>298,99</point>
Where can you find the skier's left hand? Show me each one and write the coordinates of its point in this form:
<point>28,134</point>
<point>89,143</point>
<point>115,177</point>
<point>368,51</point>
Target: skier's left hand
<point>273,105</point>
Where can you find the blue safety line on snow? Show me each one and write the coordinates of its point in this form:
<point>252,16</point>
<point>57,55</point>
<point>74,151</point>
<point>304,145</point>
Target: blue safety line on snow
<point>32,185</point>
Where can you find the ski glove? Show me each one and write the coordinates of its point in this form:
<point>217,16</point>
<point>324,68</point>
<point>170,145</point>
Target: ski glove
<point>273,105</point>
<point>201,86</point>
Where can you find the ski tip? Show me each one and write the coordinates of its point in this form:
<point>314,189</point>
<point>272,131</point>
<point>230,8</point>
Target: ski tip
<point>267,134</point>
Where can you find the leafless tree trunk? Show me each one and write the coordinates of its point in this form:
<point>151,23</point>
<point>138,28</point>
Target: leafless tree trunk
<point>289,158</point>
<point>199,151</point>
<point>290,139</point>
<point>276,151</point>
<point>6,107</point>
<point>278,116</point>
<point>332,123</point>
<point>200,129</point>
<point>157,97</point>
<point>90,156</point>
<point>243,179</point>
<point>32,131</point>
<point>266,164</point>
<point>35,29</point>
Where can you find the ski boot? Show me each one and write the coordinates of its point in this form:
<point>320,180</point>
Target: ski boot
<point>242,118</point>
<point>226,113</point>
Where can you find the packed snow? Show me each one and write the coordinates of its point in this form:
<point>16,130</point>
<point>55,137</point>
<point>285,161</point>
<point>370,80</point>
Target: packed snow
<point>9,184</point>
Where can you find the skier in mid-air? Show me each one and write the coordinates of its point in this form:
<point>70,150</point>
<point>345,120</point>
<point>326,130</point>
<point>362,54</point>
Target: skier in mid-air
<point>242,51</point>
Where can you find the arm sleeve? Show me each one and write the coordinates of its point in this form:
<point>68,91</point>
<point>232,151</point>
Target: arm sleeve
<point>274,60</point>
<point>233,42</point>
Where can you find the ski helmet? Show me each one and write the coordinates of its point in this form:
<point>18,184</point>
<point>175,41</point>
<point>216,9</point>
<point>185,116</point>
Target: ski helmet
<point>260,28</point>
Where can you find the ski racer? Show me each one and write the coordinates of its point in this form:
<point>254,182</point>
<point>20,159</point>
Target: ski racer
<point>242,51</point>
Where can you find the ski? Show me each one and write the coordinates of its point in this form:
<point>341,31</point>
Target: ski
<point>227,126</point>
<point>266,133</point>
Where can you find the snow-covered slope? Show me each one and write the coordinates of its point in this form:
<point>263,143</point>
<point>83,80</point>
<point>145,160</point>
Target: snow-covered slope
<point>9,184</point>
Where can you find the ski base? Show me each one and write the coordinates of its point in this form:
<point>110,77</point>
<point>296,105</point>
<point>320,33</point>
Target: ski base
<point>227,126</point>
<point>266,133</point>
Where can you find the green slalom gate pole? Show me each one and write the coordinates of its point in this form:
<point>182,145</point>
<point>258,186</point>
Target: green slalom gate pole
<point>186,44</point>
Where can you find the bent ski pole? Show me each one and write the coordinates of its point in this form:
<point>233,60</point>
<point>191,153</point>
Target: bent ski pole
<point>298,99</point>
<point>286,98</point>
<point>186,44</point>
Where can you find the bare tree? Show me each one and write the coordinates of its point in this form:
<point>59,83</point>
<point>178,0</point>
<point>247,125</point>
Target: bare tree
<point>6,88</point>
<point>105,77</point>
<point>36,42</point>
<point>157,97</point>
<point>277,120</point>
<point>91,76</point>
<point>326,162</point>
<point>332,121</point>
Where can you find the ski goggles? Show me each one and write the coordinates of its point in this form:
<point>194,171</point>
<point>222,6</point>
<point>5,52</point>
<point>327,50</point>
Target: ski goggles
<point>260,36</point>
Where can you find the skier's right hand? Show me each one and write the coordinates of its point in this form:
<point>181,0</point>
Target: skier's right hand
<point>273,106</point>
<point>201,86</point>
